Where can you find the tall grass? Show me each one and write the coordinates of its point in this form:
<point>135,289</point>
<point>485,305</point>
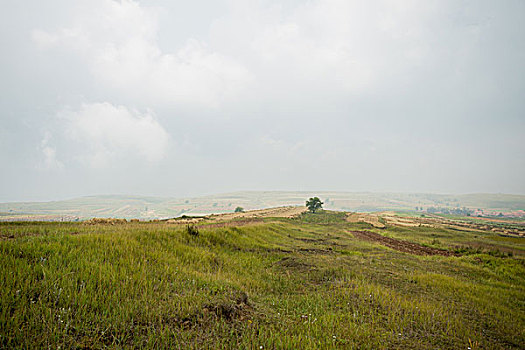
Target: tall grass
<point>288,283</point>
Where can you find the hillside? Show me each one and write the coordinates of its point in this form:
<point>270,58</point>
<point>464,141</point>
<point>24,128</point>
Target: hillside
<point>158,207</point>
<point>308,281</point>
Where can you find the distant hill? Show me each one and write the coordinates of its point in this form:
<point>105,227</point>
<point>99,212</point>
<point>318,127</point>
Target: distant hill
<point>120,206</point>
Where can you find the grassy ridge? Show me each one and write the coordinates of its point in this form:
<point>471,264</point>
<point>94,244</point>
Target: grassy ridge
<point>281,283</point>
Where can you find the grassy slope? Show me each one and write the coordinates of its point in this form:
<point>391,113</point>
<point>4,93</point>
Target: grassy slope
<point>309,283</point>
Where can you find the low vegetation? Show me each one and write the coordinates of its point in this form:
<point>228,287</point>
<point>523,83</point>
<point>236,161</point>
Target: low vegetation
<point>309,282</point>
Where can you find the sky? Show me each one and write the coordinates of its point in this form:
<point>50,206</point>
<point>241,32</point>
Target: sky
<point>186,98</point>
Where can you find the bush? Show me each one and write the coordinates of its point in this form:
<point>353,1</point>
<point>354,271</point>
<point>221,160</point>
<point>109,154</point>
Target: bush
<point>192,230</point>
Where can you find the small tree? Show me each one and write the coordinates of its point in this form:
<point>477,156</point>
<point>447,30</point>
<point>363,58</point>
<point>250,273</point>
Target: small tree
<point>239,210</point>
<point>313,204</point>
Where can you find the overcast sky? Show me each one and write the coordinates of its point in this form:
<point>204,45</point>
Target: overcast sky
<point>184,98</point>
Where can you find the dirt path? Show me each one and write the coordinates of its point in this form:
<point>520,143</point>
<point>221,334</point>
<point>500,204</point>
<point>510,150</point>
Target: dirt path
<point>402,246</point>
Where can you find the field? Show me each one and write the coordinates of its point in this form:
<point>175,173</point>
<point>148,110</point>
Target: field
<point>141,207</point>
<point>324,280</point>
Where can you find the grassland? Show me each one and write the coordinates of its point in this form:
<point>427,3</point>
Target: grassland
<point>292,283</point>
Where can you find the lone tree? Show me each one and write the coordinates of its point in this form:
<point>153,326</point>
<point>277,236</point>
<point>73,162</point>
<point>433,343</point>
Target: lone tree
<point>239,210</point>
<point>314,204</point>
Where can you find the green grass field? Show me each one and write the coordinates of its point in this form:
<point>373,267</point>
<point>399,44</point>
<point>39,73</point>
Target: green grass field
<point>303,283</point>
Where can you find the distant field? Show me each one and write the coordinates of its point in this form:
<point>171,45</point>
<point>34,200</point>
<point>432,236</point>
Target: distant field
<point>155,207</point>
<point>311,281</point>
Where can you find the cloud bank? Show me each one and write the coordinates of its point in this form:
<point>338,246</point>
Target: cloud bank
<point>104,133</point>
<point>300,95</point>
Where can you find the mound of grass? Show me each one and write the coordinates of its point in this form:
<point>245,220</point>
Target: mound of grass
<point>285,283</point>
<point>322,217</point>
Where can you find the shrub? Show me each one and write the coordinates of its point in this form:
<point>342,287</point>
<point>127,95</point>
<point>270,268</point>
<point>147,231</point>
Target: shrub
<point>192,230</point>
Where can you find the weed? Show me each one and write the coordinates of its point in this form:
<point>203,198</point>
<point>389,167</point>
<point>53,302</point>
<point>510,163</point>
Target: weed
<point>192,230</point>
<point>311,284</point>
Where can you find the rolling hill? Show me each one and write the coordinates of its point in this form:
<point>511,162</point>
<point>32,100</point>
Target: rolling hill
<point>143,207</point>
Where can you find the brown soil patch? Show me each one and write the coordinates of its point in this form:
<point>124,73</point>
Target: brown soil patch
<point>454,224</point>
<point>230,311</point>
<point>316,250</point>
<point>371,219</point>
<point>104,221</point>
<point>280,212</point>
<point>185,221</point>
<point>239,219</point>
<point>507,221</point>
<point>402,246</point>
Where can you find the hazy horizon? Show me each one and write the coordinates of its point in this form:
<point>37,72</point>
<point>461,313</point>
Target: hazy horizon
<point>176,99</point>
<point>308,193</point>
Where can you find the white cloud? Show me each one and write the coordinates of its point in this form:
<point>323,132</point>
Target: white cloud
<point>49,161</point>
<point>44,40</point>
<point>118,40</point>
<point>102,133</point>
<point>353,90</point>
<point>339,46</point>
<point>283,147</point>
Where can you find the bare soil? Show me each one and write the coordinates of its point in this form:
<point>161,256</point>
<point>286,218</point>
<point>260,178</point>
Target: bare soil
<point>371,219</point>
<point>280,212</point>
<point>402,246</point>
<point>242,218</point>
